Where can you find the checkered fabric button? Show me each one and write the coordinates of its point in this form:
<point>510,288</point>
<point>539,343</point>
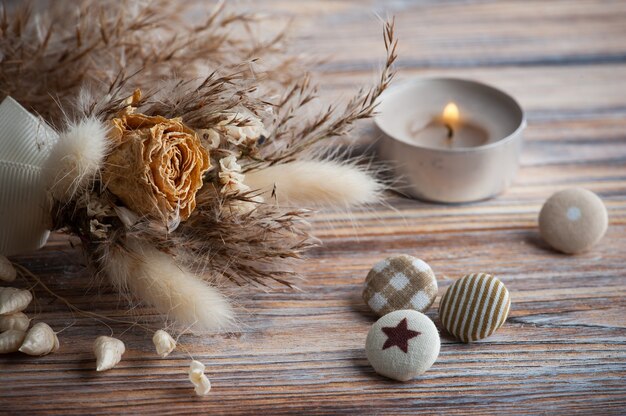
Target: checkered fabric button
<point>400,282</point>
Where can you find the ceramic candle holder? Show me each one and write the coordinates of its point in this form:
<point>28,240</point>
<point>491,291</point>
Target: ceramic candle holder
<point>450,173</point>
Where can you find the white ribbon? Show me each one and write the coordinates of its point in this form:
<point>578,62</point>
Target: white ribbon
<point>25,143</point>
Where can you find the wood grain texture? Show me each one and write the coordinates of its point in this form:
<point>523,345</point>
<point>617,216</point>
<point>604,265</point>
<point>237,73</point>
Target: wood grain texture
<point>563,348</point>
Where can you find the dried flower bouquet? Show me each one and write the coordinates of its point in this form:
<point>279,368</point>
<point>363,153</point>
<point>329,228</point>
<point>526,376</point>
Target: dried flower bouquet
<point>176,185</point>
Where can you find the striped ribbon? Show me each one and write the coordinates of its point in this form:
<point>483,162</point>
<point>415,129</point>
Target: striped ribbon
<point>25,143</point>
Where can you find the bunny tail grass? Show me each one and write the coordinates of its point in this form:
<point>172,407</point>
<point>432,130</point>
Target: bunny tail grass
<point>316,184</point>
<point>154,278</point>
<point>76,158</point>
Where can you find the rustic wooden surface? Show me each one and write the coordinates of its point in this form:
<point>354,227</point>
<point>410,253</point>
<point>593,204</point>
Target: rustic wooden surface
<point>563,348</point>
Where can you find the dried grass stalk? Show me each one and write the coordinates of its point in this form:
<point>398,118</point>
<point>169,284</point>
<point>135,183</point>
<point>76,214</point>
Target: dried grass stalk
<point>81,61</point>
<point>140,271</point>
<point>313,183</point>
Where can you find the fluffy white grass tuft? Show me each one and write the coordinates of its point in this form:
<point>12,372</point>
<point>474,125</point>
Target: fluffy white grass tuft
<point>76,158</point>
<point>154,278</point>
<point>323,183</point>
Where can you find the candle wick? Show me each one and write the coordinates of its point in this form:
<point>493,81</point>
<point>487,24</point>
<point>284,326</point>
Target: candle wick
<point>450,134</point>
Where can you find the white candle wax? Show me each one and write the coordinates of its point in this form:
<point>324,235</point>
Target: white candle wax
<point>440,135</point>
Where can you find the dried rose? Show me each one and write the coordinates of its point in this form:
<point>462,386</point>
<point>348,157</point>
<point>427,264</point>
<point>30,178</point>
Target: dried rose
<point>157,165</point>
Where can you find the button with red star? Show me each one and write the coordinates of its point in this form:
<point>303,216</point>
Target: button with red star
<point>402,344</point>
<point>399,336</point>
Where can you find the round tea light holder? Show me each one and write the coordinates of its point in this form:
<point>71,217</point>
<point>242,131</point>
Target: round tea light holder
<point>467,152</point>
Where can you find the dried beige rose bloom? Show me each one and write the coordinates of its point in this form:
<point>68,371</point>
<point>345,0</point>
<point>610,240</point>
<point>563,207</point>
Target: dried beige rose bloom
<point>210,138</point>
<point>237,128</point>
<point>231,177</point>
<point>157,165</point>
<point>232,181</point>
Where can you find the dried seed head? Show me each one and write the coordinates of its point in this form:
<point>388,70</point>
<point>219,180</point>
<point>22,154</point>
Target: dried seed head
<point>17,321</point>
<point>164,343</point>
<point>11,340</point>
<point>199,379</point>
<point>13,300</point>
<point>40,340</point>
<point>7,271</point>
<point>108,352</point>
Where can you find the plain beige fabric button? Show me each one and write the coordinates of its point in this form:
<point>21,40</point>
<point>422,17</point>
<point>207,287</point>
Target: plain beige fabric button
<point>402,344</point>
<point>573,220</point>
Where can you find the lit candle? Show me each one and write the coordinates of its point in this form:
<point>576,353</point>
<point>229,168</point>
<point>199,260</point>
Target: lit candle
<point>448,130</point>
<point>467,152</point>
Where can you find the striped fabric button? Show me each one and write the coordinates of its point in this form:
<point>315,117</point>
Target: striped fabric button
<point>474,307</point>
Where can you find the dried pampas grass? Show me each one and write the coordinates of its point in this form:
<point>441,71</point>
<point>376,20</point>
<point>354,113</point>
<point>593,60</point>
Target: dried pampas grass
<point>48,57</point>
<point>315,183</point>
<point>247,104</point>
<point>76,158</point>
<point>143,272</point>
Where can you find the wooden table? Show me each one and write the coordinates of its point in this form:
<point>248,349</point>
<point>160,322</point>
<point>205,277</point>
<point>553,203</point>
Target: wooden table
<point>563,348</point>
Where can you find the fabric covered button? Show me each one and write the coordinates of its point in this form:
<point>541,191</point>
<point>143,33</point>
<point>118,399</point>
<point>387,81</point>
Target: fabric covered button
<point>573,220</point>
<point>402,344</point>
<point>474,307</point>
<point>400,282</point>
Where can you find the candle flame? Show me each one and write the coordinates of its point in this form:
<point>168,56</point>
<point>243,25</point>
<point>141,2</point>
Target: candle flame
<point>450,113</point>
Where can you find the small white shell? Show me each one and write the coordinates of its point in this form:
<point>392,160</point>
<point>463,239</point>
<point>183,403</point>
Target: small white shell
<point>7,271</point>
<point>108,352</point>
<point>40,340</point>
<point>16,320</point>
<point>13,300</point>
<point>163,342</point>
<point>199,379</point>
<point>11,340</point>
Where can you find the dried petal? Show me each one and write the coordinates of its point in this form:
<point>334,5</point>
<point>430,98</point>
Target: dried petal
<point>230,176</point>
<point>13,300</point>
<point>40,340</point>
<point>241,127</point>
<point>108,352</point>
<point>17,321</point>
<point>229,164</point>
<point>164,343</point>
<point>199,379</point>
<point>11,340</point>
<point>7,271</point>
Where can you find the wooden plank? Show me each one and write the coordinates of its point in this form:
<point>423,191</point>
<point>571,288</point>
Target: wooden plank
<point>465,34</point>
